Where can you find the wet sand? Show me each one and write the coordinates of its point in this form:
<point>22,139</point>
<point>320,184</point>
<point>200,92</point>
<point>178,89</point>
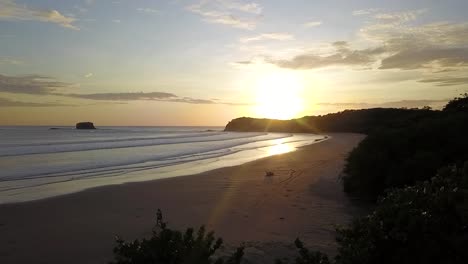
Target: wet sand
<point>303,198</point>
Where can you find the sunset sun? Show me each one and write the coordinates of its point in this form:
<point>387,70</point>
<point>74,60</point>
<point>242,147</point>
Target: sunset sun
<point>278,95</point>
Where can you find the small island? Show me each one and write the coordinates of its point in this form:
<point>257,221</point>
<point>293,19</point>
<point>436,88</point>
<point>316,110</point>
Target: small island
<point>85,125</point>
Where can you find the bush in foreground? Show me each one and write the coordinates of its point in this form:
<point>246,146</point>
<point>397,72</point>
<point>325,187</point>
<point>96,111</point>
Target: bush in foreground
<point>424,223</point>
<point>167,246</point>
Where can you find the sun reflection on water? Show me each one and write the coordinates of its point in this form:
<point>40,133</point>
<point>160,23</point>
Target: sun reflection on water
<point>279,147</point>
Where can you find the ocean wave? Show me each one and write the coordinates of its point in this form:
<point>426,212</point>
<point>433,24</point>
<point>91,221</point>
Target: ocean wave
<point>41,148</point>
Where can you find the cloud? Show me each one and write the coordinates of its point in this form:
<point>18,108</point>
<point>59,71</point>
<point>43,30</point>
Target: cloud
<point>436,46</point>
<point>88,75</point>
<point>394,43</point>
<point>313,24</point>
<point>116,21</point>
<point>189,100</point>
<point>425,58</point>
<point>150,96</point>
<point>342,55</point>
<point>9,10</point>
<point>10,61</point>
<point>43,85</point>
<point>368,11</point>
<point>147,10</point>
<point>124,96</point>
<point>4,102</point>
<point>252,8</point>
<point>30,84</point>
<point>246,62</point>
<point>228,12</point>
<point>399,17</point>
<point>268,36</point>
<point>446,81</point>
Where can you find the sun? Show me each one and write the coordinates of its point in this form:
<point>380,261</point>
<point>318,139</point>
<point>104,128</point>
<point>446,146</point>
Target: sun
<point>278,95</point>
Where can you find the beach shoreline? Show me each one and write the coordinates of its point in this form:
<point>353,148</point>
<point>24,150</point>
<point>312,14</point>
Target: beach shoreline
<point>34,172</point>
<point>302,199</point>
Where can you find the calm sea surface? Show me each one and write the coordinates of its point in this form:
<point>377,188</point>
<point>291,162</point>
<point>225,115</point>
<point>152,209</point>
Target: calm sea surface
<point>37,162</point>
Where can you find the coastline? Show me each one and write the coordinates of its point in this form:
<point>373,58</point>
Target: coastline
<point>303,198</point>
<point>72,170</point>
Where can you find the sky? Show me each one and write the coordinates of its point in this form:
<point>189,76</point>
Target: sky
<point>205,62</point>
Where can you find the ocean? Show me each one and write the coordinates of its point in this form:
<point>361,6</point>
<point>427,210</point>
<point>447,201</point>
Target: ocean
<point>39,162</point>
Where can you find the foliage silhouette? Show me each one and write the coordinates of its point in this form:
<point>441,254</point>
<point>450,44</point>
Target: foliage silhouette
<point>458,104</point>
<point>305,256</point>
<point>355,121</point>
<point>396,156</point>
<point>424,223</point>
<point>167,246</point>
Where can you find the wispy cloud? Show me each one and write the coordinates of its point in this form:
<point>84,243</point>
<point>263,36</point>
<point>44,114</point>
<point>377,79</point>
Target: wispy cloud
<point>446,81</point>
<point>30,84</point>
<point>147,10</point>
<point>228,12</point>
<point>268,36</point>
<point>400,17</point>
<point>245,62</point>
<point>88,75</point>
<point>89,2</point>
<point>396,44</point>
<point>312,24</point>
<point>43,85</point>
<point>10,10</point>
<point>4,102</point>
<point>368,11</point>
<point>251,7</point>
<point>149,96</point>
<point>10,61</point>
<point>124,96</point>
<point>423,58</point>
<point>343,55</point>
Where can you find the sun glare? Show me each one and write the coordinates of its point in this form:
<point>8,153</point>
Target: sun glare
<point>278,95</point>
<point>279,147</point>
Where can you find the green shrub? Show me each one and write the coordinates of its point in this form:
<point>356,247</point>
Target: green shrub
<point>306,256</point>
<point>167,246</point>
<point>424,223</point>
<point>400,156</point>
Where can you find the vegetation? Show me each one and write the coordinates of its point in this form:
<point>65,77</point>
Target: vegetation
<point>306,256</point>
<point>167,246</point>
<point>397,156</point>
<point>424,223</point>
<point>356,121</point>
<point>458,104</point>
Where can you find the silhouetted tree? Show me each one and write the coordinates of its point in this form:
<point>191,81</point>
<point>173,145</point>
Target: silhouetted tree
<point>458,104</point>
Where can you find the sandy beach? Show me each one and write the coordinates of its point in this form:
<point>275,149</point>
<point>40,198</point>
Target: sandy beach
<point>303,199</point>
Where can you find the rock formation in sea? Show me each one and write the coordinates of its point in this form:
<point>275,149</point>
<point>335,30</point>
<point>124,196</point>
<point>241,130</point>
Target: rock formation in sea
<point>85,125</point>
